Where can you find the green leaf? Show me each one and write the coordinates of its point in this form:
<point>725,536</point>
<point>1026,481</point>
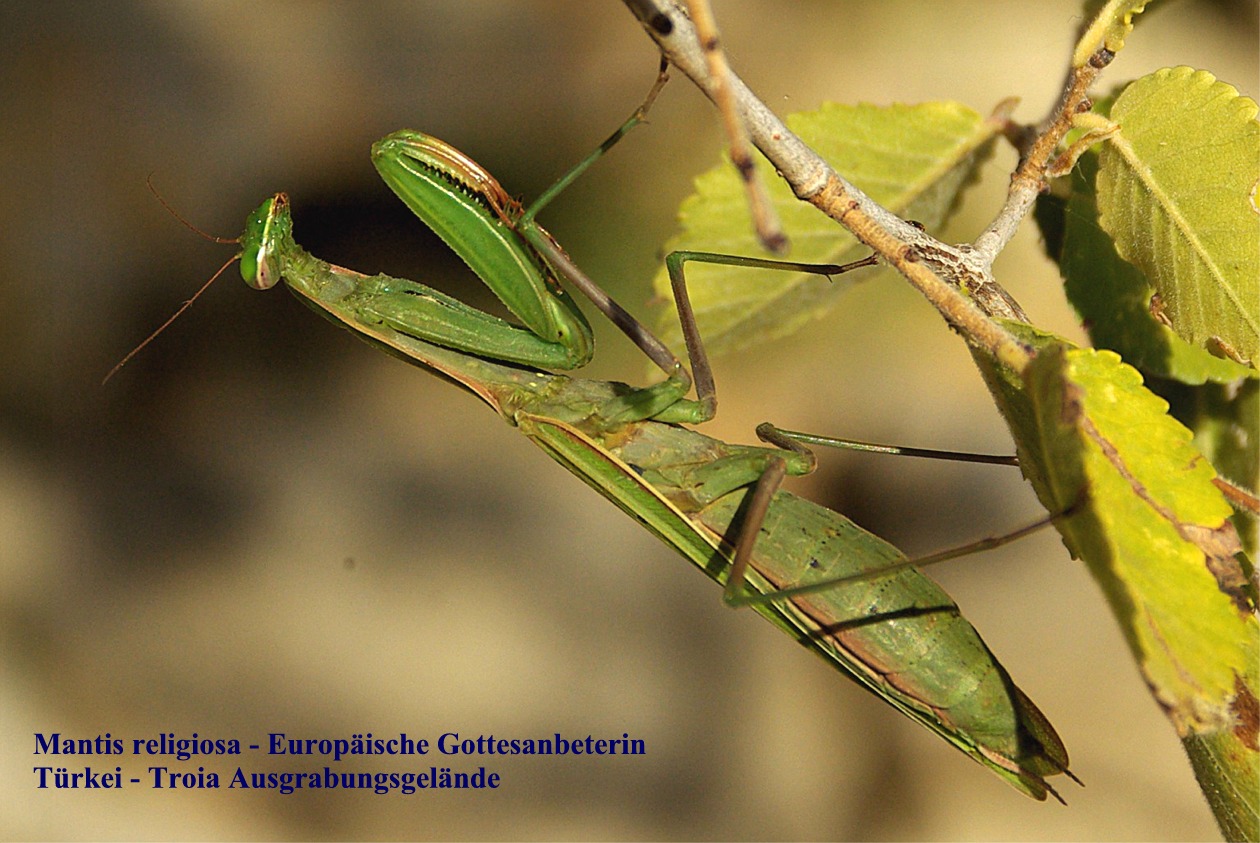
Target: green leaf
<point>1177,192</point>
<point>1230,761</point>
<point>1111,24</point>
<point>914,160</point>
<point>1145,517</point>
<point>1113,297</point>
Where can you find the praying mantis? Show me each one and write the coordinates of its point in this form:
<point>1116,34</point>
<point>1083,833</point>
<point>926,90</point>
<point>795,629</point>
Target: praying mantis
<point>718,504</point>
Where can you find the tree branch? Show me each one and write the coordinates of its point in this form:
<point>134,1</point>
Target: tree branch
<point>939,271</point>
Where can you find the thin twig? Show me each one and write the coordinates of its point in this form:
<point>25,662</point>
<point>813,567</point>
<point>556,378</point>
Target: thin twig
<point>1030,177</point>
<point>765,221</point>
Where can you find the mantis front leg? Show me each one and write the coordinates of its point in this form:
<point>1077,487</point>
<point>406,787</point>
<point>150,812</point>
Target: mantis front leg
<point>501,242</point>
<point>511,253</point>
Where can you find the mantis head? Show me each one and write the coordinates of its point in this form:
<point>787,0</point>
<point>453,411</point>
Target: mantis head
<point>265,231</point>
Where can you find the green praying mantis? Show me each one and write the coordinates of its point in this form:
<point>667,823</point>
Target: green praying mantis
<point>838,590</point>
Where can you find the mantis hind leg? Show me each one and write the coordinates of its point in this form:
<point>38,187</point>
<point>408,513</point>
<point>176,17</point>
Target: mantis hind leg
<point>763,492</point>
<point>768,484</point>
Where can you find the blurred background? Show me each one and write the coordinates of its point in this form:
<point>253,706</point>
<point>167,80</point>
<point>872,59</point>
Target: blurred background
<point>262,524</point>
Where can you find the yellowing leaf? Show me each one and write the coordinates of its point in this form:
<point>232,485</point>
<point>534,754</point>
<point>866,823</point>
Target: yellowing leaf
<point>1177,192</point>
<point>914,160</point>
<point>1147,520</point>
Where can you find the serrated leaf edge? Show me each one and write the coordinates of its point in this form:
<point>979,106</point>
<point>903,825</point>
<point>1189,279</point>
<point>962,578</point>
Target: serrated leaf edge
<point>1216,544</point>
<point>1182,226</point>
